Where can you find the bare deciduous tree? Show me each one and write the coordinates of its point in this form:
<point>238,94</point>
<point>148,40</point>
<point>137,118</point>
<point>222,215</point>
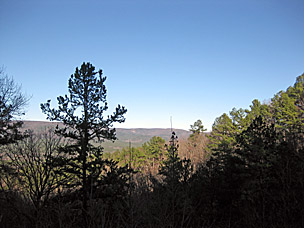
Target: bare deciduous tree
<point>12,104</point>
<point>31,159</point>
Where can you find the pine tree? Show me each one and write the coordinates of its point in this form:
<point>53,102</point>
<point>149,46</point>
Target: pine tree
<point>197,128</point>
<point>82,113</point>
<point>176,175</point>
<point>154,150</point>
<point>223,134</point>
<point>195,146</point>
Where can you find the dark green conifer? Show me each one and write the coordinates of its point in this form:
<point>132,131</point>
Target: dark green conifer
<point>82,113</point>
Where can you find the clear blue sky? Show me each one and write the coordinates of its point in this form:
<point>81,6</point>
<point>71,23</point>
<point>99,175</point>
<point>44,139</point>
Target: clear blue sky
<point>189,59</point>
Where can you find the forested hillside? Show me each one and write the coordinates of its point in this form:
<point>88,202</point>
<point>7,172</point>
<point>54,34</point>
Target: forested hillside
<point>247,172</point>
<point>137,136</point>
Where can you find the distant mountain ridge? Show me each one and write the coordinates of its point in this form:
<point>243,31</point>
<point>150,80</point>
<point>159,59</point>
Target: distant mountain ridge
<point>137,136</point>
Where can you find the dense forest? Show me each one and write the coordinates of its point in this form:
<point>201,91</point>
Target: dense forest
<point>247,172</point>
